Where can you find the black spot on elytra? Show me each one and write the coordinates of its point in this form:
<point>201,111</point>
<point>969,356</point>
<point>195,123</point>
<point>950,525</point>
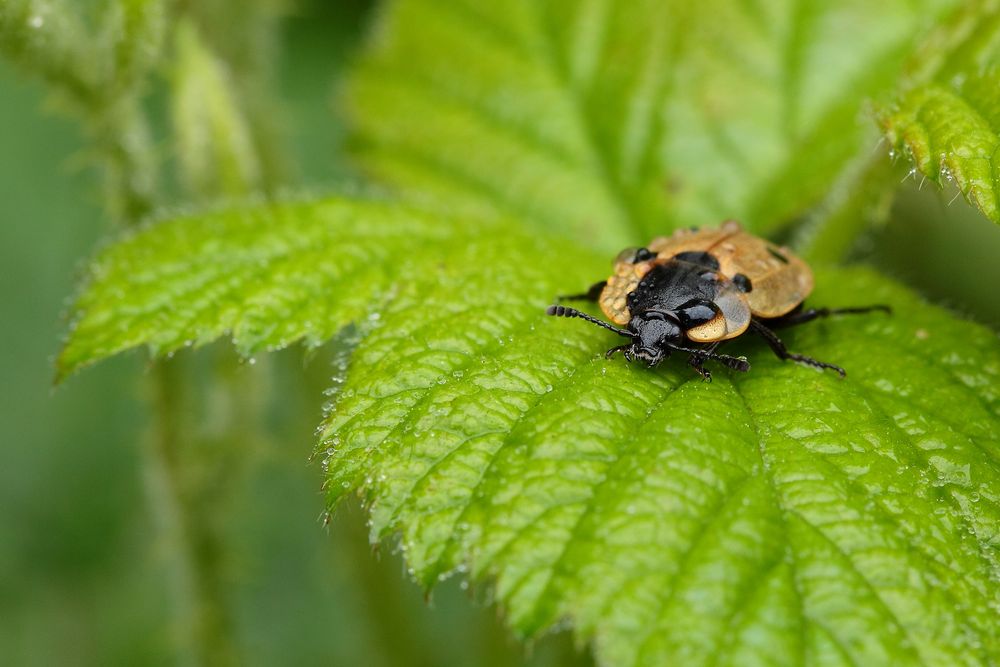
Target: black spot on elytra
<point>743,283</point>
<point>777,254</point>
<point>699,257</point>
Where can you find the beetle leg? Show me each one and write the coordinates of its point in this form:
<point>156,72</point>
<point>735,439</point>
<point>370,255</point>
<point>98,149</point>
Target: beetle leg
<point>698,364</point>
<point>779,349</point>
<point>593,293</point>
<point>697,361</point>
<point>736,363</point>
<point>803,316</point>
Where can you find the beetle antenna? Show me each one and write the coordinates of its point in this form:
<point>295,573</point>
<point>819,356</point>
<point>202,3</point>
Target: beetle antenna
<point>564,311</point>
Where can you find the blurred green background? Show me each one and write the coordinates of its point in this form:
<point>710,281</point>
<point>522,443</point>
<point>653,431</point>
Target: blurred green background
<point>86,576</point>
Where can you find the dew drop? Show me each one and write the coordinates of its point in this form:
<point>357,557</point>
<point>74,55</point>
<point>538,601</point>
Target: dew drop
<point>36,21</point>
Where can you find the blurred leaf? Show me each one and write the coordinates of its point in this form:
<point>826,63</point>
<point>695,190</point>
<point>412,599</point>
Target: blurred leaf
<point>47,38</point>
<point>52,39</point>
<point>246,37</point>
<point>621,120</point>
<point>214,140</point>
<point>857,201</point>
<point>779,516</point>
<point>947,117</point>
<point>98,73</point>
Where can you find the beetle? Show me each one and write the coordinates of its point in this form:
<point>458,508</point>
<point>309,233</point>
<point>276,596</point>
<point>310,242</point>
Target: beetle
<point>694,290</point>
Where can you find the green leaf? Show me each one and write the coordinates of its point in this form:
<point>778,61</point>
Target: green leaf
<point>947,117</point>
<point>784,516</point>
<point>265,276</point>
<point>618,120</point>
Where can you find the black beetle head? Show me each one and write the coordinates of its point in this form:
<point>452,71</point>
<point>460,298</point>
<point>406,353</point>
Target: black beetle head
<point>654,332</point>
<point>654,335</point>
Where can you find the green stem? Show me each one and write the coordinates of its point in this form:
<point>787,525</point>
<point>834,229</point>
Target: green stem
<point>176,486</point>
<point>175,457</point>
<point>130,173</point>
<point>202,469</point>
<point>101,79</point>
<point>172,460</point>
